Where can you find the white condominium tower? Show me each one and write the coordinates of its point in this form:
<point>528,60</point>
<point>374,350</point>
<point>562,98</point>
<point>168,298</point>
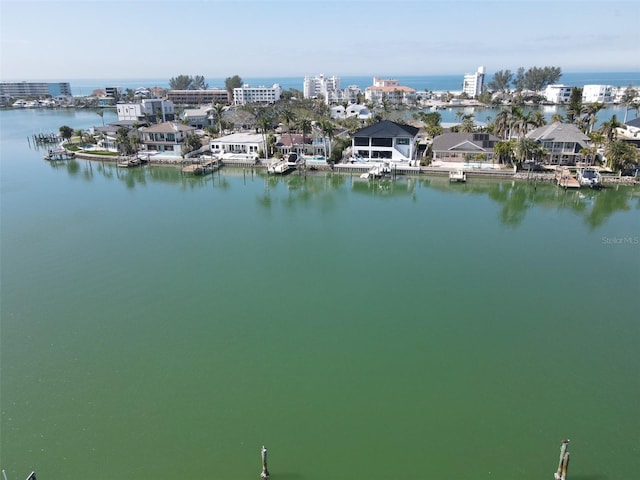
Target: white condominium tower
<point>473,83</point>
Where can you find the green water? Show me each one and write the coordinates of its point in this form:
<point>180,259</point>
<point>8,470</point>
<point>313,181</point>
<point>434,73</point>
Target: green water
<point>157,326</point>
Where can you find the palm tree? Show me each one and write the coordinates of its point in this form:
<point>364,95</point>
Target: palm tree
<point>100,113</point>
<point>527,149</point>
<point>504,150</point>
<point>608,129</point>
<point>628,99</point>
<point>557,118</point>
<point>327,131</point>
<point>620,154</point>
<point>304,124</point>
<point>501,124</point>
<point>537,119</point>
<point>219,109</point>
<point>264,124</point>
<point>467,125</point>
<point>589,113</point>
<point>288,117</point>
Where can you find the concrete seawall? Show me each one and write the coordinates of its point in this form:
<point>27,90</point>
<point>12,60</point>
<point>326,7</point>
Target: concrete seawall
<point>346,168</point>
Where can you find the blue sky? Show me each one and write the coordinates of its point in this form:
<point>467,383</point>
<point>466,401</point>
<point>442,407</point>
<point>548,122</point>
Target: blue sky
<point>60,39</point>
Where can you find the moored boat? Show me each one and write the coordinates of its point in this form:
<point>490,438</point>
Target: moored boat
<point>589,177</point>
<point>458,176</point>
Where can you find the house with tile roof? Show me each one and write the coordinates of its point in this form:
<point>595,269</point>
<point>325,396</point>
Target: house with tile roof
<point>561,142</point>
<point>296,143</point>
<point>385,140</point>
<point>464,147</point>
<point>165,138</point>
<point>391,91</point>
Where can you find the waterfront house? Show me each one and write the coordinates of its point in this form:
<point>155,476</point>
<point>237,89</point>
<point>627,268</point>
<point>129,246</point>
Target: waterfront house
<point>239,144</point>
<point>557,94</point>
<point>630,132</point>
<point>561,142</point>
<point>385,140</point>
<point>296,143</point>
<point>597,93</point>
<point>148,109</point>
<point>198,117</point>
<point>464,147</point>
<point>165,138</point>
<point>107,135</point>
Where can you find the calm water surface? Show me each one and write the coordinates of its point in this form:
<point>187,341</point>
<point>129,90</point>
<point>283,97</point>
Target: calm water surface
<point>156,326</point>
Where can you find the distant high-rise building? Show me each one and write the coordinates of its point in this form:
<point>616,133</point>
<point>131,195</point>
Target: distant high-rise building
<point>247,94</point>
<point>34,89</point>
<point>321,86</point>
<point>473,83</point>
<point>597,93</point>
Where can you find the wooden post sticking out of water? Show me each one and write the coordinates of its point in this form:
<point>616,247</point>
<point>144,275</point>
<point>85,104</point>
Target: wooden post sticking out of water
<point>563,466</point>
<point>265,472</point>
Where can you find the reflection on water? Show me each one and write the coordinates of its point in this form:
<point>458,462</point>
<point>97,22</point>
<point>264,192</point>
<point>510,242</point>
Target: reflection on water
<point>515,197</point>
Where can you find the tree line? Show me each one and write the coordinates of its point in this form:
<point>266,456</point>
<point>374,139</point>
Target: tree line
<point>534,79</point>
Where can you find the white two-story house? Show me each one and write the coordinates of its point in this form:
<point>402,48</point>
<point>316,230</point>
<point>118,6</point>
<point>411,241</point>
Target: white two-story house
<point>385,141</point>
<point>149,110</point>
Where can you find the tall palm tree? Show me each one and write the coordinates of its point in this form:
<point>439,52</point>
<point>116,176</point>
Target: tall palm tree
<point>557,118</point>
<point>467,125</point>
<point>264,124</point>
<point>537,119</point>
<point>219,109</point>
<point>620,154</point>
<point>304,124</point>
<point>527,149</point>
<point>608,129</point>
<point>501,124</point>
<point>589,113</point>
<point>288,117</point>
<point>100,113</point>
<point>628,99</point>
<point>504,150</point>
<point>327,132</point>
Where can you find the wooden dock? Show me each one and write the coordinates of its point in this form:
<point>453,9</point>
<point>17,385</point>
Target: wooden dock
<point>58,154</point>
<point>201,168</point>
<point>566,179</point>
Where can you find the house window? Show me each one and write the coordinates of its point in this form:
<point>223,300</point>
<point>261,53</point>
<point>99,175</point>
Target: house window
<point>381,142</point>
<point>402,141</point>
<point>361,141</point>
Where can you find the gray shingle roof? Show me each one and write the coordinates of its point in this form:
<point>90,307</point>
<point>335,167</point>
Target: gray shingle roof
<point>559,132</point>
<point>464,142</point>
<point>387,128</point>
<point>634,123</point>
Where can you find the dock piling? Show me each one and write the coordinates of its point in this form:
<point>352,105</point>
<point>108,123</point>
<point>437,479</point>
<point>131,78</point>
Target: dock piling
<point>563,465</point>
<point>265,472</point>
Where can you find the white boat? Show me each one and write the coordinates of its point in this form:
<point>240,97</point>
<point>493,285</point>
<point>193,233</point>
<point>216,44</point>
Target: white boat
<point>279,167</point>
<point>378,171</point>
<point>19,103</point>
<point>457,176</point>
<point>589,177</point>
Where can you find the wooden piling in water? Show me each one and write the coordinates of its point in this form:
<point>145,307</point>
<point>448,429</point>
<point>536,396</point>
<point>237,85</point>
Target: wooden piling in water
<point>265,472</point>
<point>563,465</point>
